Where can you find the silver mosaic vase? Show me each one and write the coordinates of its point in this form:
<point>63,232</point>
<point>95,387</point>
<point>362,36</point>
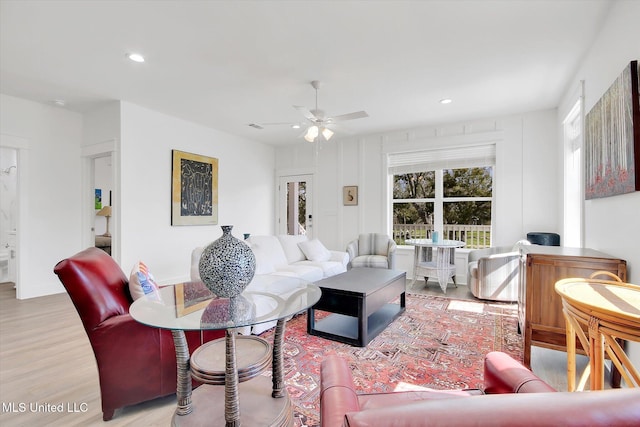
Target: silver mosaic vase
<point>227,265</point>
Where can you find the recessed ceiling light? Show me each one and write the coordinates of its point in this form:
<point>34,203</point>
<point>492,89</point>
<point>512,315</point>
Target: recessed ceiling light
<point>59,102</point>
<point>135,57</point>
<point>295,126</point>
<point>445,101</point>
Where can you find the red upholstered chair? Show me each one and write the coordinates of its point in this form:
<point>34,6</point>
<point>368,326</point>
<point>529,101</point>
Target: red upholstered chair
<point>511,396</point>
<point>135,362</point>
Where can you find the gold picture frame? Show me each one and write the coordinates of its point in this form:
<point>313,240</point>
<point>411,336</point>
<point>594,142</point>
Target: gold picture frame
<point>350,195</point>
<point>194,189</point>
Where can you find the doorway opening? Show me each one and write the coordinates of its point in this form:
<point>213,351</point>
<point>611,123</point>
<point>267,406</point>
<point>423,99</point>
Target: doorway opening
<point>8,214</point>
<point>103,201</point>
<point>101,196</point>
<point>13,164</point>
<point>295,205</point>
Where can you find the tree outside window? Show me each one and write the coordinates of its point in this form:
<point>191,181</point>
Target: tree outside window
<point>464,206</point>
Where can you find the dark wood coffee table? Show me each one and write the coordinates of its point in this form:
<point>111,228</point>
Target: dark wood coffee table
<point>360,301</point>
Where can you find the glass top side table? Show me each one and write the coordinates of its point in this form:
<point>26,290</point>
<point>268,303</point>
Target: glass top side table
<point>185,307</point>
<point>439,263</point>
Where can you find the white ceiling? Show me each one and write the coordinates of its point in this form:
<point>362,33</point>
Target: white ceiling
<point>225,64</point>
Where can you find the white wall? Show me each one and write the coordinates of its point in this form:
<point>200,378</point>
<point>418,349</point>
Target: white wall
<point>245,192</point>
<point>611,223</point>
<point>52,191</point>
<point>48,189</point>
<point>524,166</point>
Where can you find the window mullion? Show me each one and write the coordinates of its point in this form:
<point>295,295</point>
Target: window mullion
<point>429,200</point>
<point>467,199</point>
<point>438,211</point>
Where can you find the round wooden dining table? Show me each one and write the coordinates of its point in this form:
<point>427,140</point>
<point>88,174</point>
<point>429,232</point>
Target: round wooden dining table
<point>603,314</point>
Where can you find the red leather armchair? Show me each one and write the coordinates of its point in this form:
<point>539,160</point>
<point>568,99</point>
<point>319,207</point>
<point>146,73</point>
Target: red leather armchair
<point>512,396</point>
<point>135,362</point>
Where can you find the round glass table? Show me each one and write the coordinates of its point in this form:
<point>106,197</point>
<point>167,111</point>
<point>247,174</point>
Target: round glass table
<point>440,263</point>
<point>191,306</point>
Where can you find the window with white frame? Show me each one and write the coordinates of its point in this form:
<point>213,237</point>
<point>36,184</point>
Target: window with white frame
<point>444,190</point>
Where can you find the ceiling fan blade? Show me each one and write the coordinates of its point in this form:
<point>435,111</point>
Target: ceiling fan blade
<point>306,113</point>
<point>350,116</point>
<point>338,129</point>
<point>262,125</point>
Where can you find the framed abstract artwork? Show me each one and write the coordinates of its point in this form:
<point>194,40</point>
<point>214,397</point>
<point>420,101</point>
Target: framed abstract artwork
<point>612,139</point>
<point>194,189</point>
<point>350,195</point>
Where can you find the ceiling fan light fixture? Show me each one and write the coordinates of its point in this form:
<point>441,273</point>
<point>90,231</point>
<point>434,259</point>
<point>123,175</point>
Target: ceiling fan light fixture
<point>312,133</point>
<point>135,57</point>
<point>316,122</point>
<point>327,133</point>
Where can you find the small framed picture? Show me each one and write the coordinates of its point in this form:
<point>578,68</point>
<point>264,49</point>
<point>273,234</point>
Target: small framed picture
<point>98,199</point>
<point>350,195</point>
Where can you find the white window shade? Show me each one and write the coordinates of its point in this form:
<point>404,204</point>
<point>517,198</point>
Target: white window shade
<point>443,158</point>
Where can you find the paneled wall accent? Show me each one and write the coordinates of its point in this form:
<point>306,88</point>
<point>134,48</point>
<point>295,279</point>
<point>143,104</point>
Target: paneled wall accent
<point>361,161</point>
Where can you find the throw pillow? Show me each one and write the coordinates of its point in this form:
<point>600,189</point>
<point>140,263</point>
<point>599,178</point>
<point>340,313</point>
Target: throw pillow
<point>314,250</point>
<point>290,246</point>
<point>141,283</point>
<point>264,263</point>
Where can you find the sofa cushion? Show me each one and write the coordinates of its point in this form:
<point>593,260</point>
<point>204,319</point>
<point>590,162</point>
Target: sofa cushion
<point>279,284</point>
<point>141,283</point>
<point>371,261</point>
<point>268,252</point>
<point>291,248</point>
<point>264,265</point>
<point>373,244</point>
<point>282,284</point>
<point>314,250</point>
<point>310,273</point>
<point>329,268</point>
<point>383,400</point>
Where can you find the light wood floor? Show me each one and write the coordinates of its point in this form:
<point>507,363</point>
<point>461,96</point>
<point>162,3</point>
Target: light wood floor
<point>46,359</point>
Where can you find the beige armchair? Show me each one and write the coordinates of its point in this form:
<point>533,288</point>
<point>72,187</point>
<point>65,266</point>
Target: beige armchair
<point>493,273</point>
<point>372,250</point>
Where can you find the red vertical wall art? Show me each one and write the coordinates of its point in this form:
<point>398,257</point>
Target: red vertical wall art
<point>612,139</point>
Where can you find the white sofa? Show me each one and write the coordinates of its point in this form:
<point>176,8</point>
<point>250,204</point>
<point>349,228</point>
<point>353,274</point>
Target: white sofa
<point>284,255</point>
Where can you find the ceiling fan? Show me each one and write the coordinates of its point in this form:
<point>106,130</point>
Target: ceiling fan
<point>321,126</point>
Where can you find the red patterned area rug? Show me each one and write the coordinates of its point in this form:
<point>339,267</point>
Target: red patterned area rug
<point>438,343</point>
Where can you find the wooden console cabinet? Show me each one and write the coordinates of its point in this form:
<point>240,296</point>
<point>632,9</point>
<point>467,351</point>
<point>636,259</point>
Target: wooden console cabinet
<point>539,306</point>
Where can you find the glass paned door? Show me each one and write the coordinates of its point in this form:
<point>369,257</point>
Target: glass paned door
<point>295,205</point>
